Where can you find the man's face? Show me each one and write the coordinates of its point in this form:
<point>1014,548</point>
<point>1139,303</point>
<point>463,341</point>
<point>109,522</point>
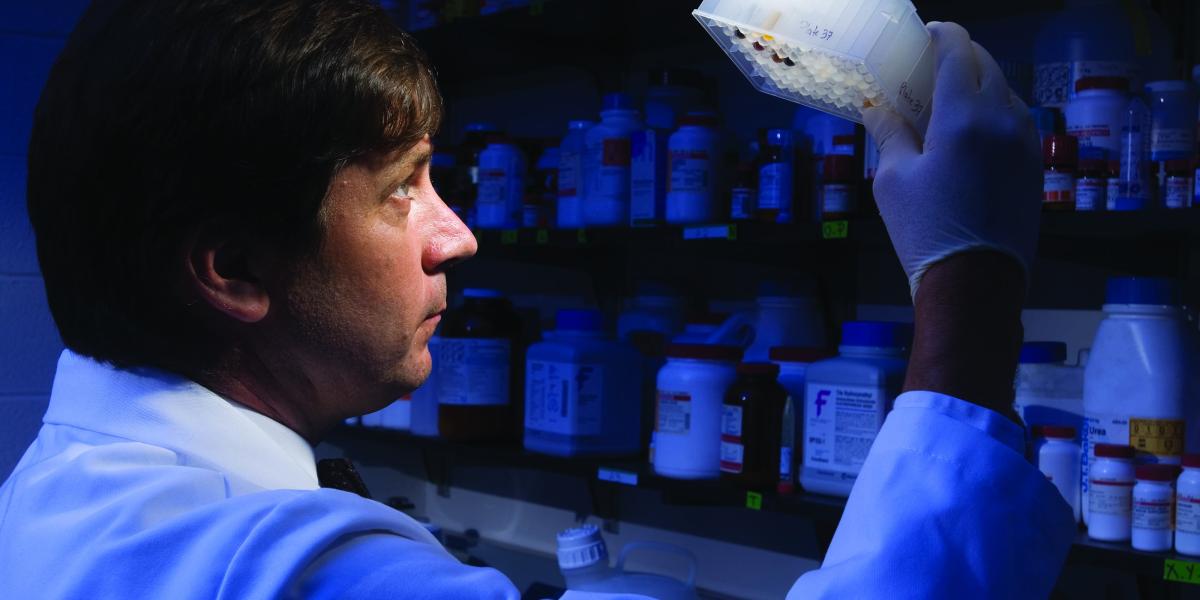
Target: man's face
<point>360,312</point>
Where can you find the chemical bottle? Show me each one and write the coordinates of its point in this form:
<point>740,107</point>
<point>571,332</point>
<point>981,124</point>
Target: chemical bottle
<point>750,431</point>
<point>690,392</point>
<point>1134,189</point>
<point>1047,390</point>
<point>1058,460</point>
<point>793,366</point>
<point>502,170</point>
<point>1154,508</point>
<point>787,448</point>
<point>1178,188</point>
<point>541,190</point>
<point>1096,114</point>
<point>1109,512</point>
<point>571,184</point>
<point>693,164</point>
<point>1187,507</point>
<point>846,400</point>
<point>743,198</point>
<point>1141,375</point>
<point>582,390</point>
<point>1173,120</point>
<point>776,177</point>
<point>671,94</point>
<point>1114,185</point>
<point>838,188</point>
<point>1060,156</point>
<point>583,560</point>
<point>607,163</point>
<point>477,384</point>
<point>474,142</point>
<point>1091,188</point>
<point>786,314</point>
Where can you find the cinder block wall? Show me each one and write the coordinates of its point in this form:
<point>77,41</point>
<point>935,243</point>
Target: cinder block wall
<point>32,32</point>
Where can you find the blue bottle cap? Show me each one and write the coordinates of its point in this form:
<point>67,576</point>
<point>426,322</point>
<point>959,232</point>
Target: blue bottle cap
<point>579,320</point>
<point>618,101</point>
<point>876,334</point>
<point>482,293</point>
<point>1155,291</point>
<point>1040,353</point>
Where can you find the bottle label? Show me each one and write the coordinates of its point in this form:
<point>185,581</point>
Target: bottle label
<point>616,152</point>
<point>1054,83</point>
<point>1164,140</point>
<point>1110,497</point>
<point>775,187</point>
<point>568,173</point>
<point>1059,188</point>
<point>732,457</point>
<point>608,181</point>
<point>837,198</point>
<point>742,204</point>
<point>1160,437</point>
<point>1187,514</point>
<point>674,412</point>
<point>732,450</point>
<point>1090,194</point>
<point>1152,514</point>
<point>473,372</point>
<point>1179,192</point>
<point>1155,440</point>
<point>648,168</point>
<point>564,398</point>
<point>691,171</point>
<point>785,463</point>
<point>840,424</point>
<point>731,421</point>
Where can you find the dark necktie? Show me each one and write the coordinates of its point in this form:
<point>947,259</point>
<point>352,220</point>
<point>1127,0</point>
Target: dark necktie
<point>339,474</point>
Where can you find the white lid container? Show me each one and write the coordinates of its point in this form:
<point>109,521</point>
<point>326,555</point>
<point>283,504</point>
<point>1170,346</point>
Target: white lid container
<point>691,389</point>
<point>1187,507</point>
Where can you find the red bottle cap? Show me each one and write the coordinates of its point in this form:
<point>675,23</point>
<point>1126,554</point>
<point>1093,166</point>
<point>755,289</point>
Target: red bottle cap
<point>1191,460</point>
<point>1113,451</point>
<point>1057,432</point>
<point>1156,472</point>
<point>1102,83</point>
<point>839,168</point>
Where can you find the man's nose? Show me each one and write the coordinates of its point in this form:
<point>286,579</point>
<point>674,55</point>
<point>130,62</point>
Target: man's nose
<point>449,241</point>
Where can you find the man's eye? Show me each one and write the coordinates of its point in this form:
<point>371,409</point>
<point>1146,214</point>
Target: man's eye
<point>404,191</point>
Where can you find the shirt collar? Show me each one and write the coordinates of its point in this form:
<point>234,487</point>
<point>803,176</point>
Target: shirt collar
<point>165,410</point>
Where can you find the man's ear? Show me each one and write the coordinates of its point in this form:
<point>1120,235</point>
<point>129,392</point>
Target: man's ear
<point>219,272</point>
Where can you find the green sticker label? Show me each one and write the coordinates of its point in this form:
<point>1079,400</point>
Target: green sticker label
<point>508,236</point>
<point>732,232</point>
<point>753,500</point>
<point>543,237</point>
<point>1181,571</point>
<point>835,230</point>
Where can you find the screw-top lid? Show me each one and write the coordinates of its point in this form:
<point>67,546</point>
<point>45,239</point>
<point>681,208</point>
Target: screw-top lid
<point>699,119</point>
<point>1037,353</point>
<point>705,352</point>
<point>876,334</point>
<point>580,125</point>
<point>1191,460</point>
<point>1102,83</point>
<point>796,354</point>
<point>1114,451</point>
<point>1154,291</point>
<point>1057,432</point>
<point>780,137</point>
<point>618,101</point>
<point>1171,85</point>
<point>482,293</point>
<point>1156,472</point>
<point>758,368</point>
<point>580,547</point>
<point>579,320</point>
<point>1060,149</point>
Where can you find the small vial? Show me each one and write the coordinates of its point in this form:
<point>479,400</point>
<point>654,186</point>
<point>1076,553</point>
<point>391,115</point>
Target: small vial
<point>787,452</point>
<point>776,177</point>
<point>1110,493</point>
<point>1060,155</point>
<point>1187,507</point>
<point>1153,505</point>
<point>1134,189</point>
<point>1178,190</point>
<point>1114,185</point>
<point>1058,460</point>
<point>1091,187</point>
<point>743,198</point>
<point>838,199</point>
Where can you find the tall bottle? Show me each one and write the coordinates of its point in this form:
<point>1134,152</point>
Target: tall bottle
<point>571,183</point>
<point>607,163</point>
<point>776,177</point>
<point>1134,189</point>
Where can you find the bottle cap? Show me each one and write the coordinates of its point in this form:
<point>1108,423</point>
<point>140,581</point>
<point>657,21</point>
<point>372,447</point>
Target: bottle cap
<point>758,368</point>
<point>618,101</point>
<point>705,352</point>
<point>1057,432</point>
<point>1191,460</point>
<point>1154,291</point>
<point>876,334</point>
<point>1156,472</point>
<point>1114,451</point>
<point>1102,83</point>
<point>795,354</point>
<point>1060,150</point>
<point>1179,164</point>
<point>482,293</point>
<point>580,547</point>
<point>1043,352</point>
<point>579,320</point>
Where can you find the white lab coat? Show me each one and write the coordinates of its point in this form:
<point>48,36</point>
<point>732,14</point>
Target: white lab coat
<point>145,485</point>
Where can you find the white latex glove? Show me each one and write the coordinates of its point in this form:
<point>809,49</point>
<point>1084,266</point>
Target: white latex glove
<point>976,182</point>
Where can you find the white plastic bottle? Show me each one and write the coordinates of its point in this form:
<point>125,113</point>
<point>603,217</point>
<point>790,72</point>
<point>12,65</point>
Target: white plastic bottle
<point>501,186</point>
<point>583,560</point>
<point>786,317</point>
<point>1153,507</point>
<point>1048,391</point>
<point>1141,375</point>
<point>691,391</point>
<point>655,308</point>
<point>607,163</point>
<point>1187,507</point>
<point>571,184</point>
<point>582,390</point>
<point>1110,501</point>
<point>846,400</point>
<point>1096,114</point>
<point>1058,460</point>
<point>694,160</point>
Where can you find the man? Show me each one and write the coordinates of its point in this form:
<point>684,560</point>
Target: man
<point>242,247</point>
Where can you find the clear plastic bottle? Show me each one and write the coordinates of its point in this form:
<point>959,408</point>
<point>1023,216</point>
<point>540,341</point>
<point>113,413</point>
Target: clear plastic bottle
<point>1135,187</point>
<point>694,165</point>
<point>571,185</point>
<point>1187,507</point>
<point>607,163</point>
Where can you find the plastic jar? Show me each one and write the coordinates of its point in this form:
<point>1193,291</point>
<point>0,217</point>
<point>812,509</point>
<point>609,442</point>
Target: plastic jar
<point>1058,460</point>
<point>1173,113</point>
<point>690,391</point>
<point>793,366</point>
<point>1091,187</point>
<point>1047,390</point>
<point>571,184</point>
<point>501,186</point>
<point>607,163</point>
<point>694,161</point>
<point>583,391</point>
<point>1154,507</point>
<point>846,400</point>
<point>1110,502</point>
<point>1187,507</point>
<point>1178,188</point>
<point>477,384</point>
<point>1088,38</point>
<point>838,193</point>
<point>1060,155</point>
<point>1140,377</point>
<point>1097,113</point>
<point>776,177</point>
<point>750,431</point>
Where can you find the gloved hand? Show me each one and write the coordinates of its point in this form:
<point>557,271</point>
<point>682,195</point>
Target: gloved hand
<point>976,181</point>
